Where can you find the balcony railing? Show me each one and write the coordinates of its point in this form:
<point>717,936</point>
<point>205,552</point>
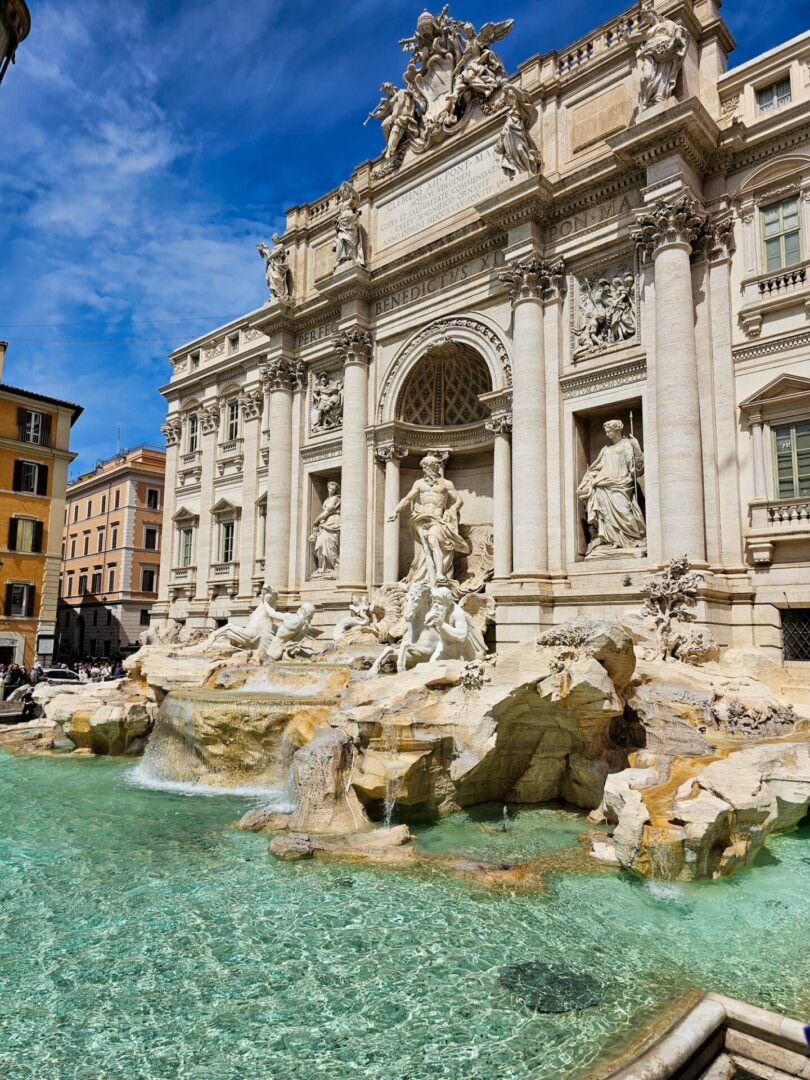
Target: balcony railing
<point>182,574</point>
<point>772,292</point>
<point>225,570</point>
<point>36,438</point>
<point>774,521</point>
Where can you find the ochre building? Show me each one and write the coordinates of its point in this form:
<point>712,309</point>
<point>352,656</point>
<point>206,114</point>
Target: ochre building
<point>34,459</point>
<point>580,291</point>
<point>111,548</point>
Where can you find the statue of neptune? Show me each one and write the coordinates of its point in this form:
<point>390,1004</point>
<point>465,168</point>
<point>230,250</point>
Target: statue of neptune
<point>434,504</point>
<point>608,490</point>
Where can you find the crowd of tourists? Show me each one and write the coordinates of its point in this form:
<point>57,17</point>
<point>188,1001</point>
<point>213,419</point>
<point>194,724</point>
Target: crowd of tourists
<point>13,676</point>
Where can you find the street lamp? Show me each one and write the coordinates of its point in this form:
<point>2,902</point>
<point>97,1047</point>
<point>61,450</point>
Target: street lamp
<point>15,24</point>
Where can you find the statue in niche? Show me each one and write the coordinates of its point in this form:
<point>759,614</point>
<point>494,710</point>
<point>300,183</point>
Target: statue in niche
<point>661,45</point>
<point>437,628</point>
<point>515,148</point>
<point>327,403</point>
<point>609,490</point>
<point>276,268</point>
<point>348,238</point>
<point>434,505</point>
<point>325,538</point>
<point>607,310</point>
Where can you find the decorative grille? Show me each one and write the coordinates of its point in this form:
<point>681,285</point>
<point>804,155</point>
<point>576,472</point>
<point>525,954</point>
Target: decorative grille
<point>796,634</point>
<point>443,388</point>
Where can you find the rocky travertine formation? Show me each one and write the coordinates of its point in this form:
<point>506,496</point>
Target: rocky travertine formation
<point>107,718</point>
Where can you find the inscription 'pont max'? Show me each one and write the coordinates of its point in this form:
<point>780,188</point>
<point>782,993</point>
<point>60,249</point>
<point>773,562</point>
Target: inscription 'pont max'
<point>459,187</point>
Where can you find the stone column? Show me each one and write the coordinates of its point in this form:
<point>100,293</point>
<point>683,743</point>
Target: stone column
<point>666,232</point>
<point>282,377</point>
<point>501,426</point>
<point>530,281</point>
<point>721,247</point>
<point>251,403</point>
<point>206,535</point>
<point>172,431</point>
<point>354,348</point>
<point>391,456</point>
<point>758,453</point>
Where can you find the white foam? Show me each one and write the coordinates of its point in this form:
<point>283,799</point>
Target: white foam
<point>273,798</point>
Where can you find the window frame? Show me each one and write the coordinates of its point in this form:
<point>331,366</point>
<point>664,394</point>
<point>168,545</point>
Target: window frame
<point>764,207</point>
<point>227,540</point>
<point>149,570</point>
<point>147,529</point>
<point>791,425</point>
<point>773,88</point>
<point>192,433</point>
<point>185,558</point>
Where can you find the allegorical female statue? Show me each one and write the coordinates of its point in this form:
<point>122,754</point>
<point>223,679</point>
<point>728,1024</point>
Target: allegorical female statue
<point>435,505</point>
<point>609,490</point>
<point>325,537</point>
<point>348,238</point>
<point>276,268</point>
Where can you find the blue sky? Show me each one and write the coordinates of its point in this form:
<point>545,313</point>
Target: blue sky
<point>147,147</point>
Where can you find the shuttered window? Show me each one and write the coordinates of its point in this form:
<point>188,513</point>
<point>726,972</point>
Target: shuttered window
<point>792,444</point>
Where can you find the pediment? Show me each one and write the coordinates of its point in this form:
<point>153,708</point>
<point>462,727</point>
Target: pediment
<point>782,392</point>
<point>776,171</point>
<point>184,514</point>
<point>225,506</point>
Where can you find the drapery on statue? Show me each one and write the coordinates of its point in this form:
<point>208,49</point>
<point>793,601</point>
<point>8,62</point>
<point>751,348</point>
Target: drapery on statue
<point>327,403</point>
<point>434,505</point>
<point>325,537</point>
<point>515,148</point>
<point>661,45</point>
<point>397,110</point>
<point>276,268</point>
<point>348,238</point>
<point>438,628</point>
<point>608,489</point>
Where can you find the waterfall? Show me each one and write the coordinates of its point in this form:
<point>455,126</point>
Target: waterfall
<point>393,783</point>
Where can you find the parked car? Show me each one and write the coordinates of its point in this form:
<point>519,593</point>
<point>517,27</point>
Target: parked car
<point>60,675</point>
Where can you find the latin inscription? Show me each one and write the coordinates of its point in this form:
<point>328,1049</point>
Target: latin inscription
<point>623,204</point>
<point>459,187</point>
<point>317,333</point>
<point>438,282</point>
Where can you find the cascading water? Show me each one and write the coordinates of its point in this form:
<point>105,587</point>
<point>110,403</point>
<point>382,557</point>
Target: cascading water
<point>393,782</point>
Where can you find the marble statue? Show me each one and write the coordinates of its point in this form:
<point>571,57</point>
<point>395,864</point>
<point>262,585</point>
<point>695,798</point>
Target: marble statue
<point>325,537</point>
<point>358,617</point>
<point>607,311</point>
<point>515,148</point>
<point>661,45</point>
<point>434,505</point>
<point>397,111</point>
<point>437,628</point>
<point>276,268</point>
<point>327,403</point>
<point>609,491</point>
<point>451,67</point>
<point>259,629</point>
<point>348,238</point>
<point>167,633</point>
<point>288,641</point>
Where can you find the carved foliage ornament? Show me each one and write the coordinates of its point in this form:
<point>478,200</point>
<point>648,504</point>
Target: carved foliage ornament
<point>535,279</point>
<point>172,430</point>
<point>354,346</point>
<point>393,452</point>
<point>252,403</point>
<point>209,418</point>
<point>678,222</point>
<point>283,374</point>
<point>500,424</point>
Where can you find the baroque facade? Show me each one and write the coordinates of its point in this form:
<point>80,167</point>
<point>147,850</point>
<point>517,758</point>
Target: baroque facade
<point>579,292</point>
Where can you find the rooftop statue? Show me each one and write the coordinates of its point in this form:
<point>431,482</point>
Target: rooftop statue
<point>348,237</point>
<point>661,45</point>
<point>276,268</point>
<point>451,68</point>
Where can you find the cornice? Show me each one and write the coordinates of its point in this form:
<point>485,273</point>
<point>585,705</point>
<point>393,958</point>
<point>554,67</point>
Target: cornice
<point>767,148</point>
<point>591,382</point>
<point>686,129</point>
<point>327,450</point>
<point>770,346</point>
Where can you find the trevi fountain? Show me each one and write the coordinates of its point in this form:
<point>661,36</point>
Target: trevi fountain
<point>491,764</point>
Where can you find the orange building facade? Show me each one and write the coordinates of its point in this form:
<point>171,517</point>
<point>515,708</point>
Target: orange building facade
<point>111,545</point>
<point>34,459</point>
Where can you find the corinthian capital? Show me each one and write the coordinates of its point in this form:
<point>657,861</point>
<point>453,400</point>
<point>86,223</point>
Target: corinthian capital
<point>535,279</point>
<point>500,424</point>
<point>251,403</point>
<point>392,452</point>
<point>678,222</point>
<point>282,374</point>
<point>716,239</point>
<point>172,430</point>
<point>354,346</point>
<point>209,418</point>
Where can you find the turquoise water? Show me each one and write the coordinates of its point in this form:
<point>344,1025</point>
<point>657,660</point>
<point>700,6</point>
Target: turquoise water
<point>141,939</point>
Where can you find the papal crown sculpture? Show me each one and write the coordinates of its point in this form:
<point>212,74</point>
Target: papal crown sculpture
<point>452,69</point>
